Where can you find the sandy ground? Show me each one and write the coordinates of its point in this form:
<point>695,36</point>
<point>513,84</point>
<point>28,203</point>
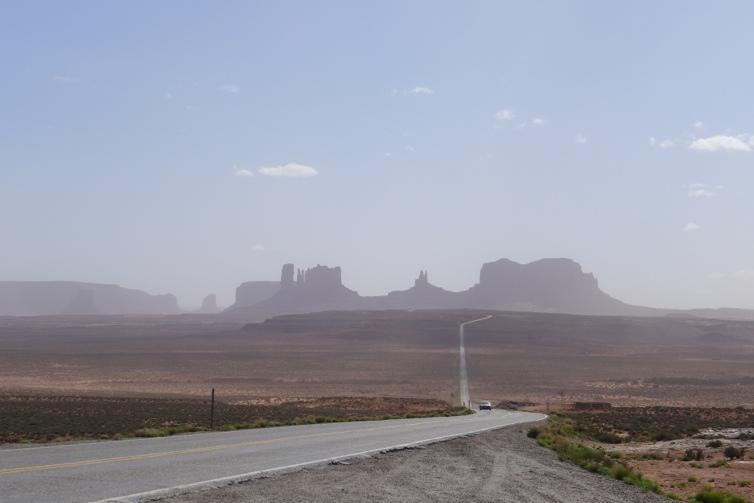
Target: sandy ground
<point>524,357</point>
<point>500,466</point>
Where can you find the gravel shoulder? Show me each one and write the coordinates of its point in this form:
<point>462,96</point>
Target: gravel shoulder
<point>502,466</point>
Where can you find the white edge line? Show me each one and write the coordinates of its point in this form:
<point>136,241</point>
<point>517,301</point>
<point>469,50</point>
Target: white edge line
<point>244,477</point>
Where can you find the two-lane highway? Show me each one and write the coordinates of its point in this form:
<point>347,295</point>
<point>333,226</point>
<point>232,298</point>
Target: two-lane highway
<point>133,470</point>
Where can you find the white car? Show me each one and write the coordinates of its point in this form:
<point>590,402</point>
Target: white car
<point>485,405</point>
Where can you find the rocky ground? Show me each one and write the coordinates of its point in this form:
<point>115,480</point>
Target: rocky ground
<point>501,466</point>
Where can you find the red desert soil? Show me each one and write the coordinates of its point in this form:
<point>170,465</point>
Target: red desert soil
<point>514,356</point>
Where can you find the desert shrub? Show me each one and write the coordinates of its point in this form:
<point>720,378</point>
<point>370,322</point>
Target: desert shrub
<point>731,452</point>
<point>716,497</point>
<point>662,436</point>
<point>714,444</point>
<point>744,483</point>
<point>593,460</point>
<point>693,455</point>
<point>607,437</point>
<point>718,463</point>
<point>620,471</point>
<point>533,432</point>
<point>692,479</point>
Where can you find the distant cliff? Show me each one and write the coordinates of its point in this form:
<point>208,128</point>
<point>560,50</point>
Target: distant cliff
<point>35,298</point>
<point>550,285</point>
<point>555,284</point>
<point>316,289</point>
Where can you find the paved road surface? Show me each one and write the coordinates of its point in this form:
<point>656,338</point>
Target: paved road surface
<point>116,469</point>
<point>463,374</point>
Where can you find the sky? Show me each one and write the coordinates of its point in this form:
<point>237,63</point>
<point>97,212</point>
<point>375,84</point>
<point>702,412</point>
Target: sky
<point>186,147</point>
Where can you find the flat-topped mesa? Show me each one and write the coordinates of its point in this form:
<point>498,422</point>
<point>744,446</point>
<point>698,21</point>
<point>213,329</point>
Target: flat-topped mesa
<point>554,284</point>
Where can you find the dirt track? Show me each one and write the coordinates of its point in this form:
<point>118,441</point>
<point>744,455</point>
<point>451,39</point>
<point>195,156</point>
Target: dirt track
<point>500,466</point>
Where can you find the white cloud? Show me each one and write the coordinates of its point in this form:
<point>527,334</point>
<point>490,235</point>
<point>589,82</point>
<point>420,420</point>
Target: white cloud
<point>581,139</point>
<point>702,190</point>
<point>258,247</point>
<point>242,172</point>
<point>230,88</point>
<point>410,148</point>
<point>722,142</point>
<point>291,169</point>
<point>691,227</point>
<point>168,96</point>
<point>698,124</point>
<point>422,90</point>
<point>663,144</point>
<point>505,114</point>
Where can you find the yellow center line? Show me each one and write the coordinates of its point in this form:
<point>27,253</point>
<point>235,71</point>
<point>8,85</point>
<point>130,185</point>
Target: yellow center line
<point>183,452</point>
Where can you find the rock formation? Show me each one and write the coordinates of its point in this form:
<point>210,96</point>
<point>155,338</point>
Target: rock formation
<point>423,295</point>
<point>35,298</point>
<point>286,276</point>
<point>550,285</point>
<point>316,289</point>
<point>556,284</point>
<point>254,292</point>
<point>209,305</point>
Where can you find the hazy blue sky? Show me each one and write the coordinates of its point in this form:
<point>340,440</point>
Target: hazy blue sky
<point>139,142</point>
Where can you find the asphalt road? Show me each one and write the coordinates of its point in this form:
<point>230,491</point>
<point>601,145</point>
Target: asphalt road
<point>131,470</point>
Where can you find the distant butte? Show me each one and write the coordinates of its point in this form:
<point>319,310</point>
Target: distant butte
<point>548,285</point>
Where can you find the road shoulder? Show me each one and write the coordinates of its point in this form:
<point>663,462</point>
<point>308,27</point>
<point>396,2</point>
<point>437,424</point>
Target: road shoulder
<point>501,465</point>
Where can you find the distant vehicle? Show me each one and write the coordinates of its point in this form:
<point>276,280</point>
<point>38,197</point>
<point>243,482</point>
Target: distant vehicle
<point>485,405</point>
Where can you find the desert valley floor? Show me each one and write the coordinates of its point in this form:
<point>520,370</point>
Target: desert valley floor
<point>524,357</point>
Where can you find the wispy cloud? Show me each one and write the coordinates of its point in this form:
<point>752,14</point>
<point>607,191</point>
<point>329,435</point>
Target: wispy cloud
<point>505,114</point>
<point>415,91</point>
<point>230,88</point>
<point>702,190</point>
<point>691,227</point>
<point>292,169</point>
<point>581,139</point>
<point>257,248</point>
<point>428,91</point>
<point>722,142</point>
<point>698,125</point>
<point>665,143</point>
<point>242,172</point>
<point>532,123</point>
